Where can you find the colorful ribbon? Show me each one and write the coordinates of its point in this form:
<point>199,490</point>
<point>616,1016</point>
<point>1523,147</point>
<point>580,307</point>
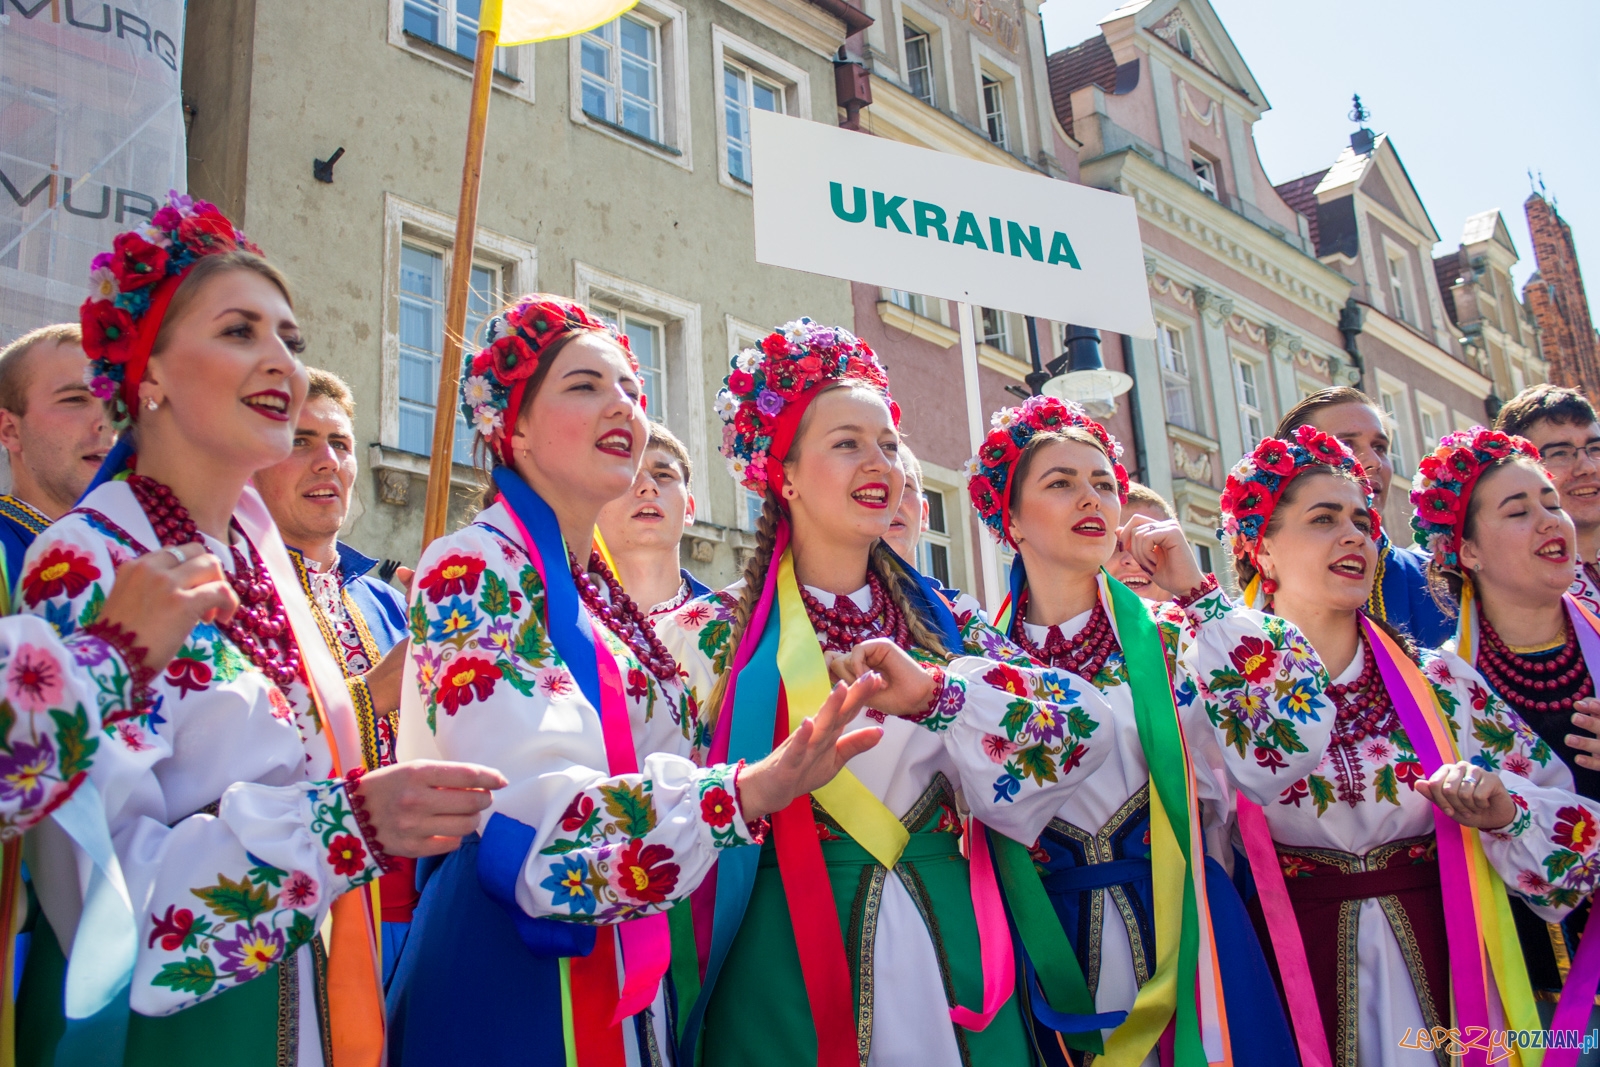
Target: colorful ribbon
<point>994,939</point>
<point>646,941</point>
<point>1185,989</point>
<point>1577,993</point>
<point>1485,956</point>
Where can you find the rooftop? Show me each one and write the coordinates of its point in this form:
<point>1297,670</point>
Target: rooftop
<point>1086,63</point>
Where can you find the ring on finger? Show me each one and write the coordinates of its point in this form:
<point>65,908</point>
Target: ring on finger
<point>176,551</point>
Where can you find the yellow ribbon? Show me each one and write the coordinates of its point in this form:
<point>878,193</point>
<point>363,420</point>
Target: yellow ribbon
<point>806,684</point>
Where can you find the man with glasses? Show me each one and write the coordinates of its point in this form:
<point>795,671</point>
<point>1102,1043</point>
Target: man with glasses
<point>1562,426</point>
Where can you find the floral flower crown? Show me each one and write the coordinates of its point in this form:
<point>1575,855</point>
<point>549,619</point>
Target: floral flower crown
<point>989,472</point>
<point>131,286</point>
<point>1444,483</point>
<point>1257,482</point>
<point>768,388</point>
<point>514,341</point>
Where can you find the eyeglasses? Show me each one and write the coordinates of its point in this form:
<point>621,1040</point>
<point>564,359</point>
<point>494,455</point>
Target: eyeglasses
<point>1560,457</point>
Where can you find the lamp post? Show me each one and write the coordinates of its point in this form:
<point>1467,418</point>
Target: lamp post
<point>1080,375</point>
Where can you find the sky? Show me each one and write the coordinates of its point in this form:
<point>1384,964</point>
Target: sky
<point>1472,93</point>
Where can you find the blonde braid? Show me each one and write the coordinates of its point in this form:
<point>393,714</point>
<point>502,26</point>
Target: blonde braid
<point>755,576</point>
<point>896,583</point>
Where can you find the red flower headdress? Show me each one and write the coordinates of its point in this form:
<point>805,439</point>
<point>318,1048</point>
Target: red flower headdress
<point>1257,482</point>
<point>989,472</point>
<point>514,340</point>
<point>1444,484</point>
<point>131,286</point>
<point>768,388</point>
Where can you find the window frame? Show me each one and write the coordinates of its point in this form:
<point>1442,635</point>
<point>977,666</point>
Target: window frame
<point>1400,288</point>
<point>431,246</point>
<point>992,102</point>
<point>513,65</point>
<point>1429,409</point>
<point>1002,320</point>
<point>910,31</point>
<point>1204,171</point>
<point>1258,410</point>
<point>1394,401</point>
<point>671,24</point>
<point>406,222</point>
<point>729,49</point>
<point>992,64</point>
<point>1171,379</point>
<point>932,538</point>
<point>683,365</point>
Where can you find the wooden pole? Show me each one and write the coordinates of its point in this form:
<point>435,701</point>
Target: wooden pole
<point>455,310</point>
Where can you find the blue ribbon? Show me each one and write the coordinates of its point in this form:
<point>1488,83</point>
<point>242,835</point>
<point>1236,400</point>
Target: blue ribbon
<point>1061,1021</point>
<point>755,713</point>
<point>569,630</point>
<point>100,965</point>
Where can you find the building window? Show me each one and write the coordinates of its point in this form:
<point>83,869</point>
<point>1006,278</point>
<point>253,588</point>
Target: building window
<point>1399,287</point>
<point>1393,405</point>
<point>919,65</point>
<point>1203,555</point>
<point>422,300</point>
<point>934,548</point>
<point>1519,381</point>
<point>742,90</point>
<point>451,24</point>
<point>1432,422</point>
<point>994,111</point>
<point>622,76</point>
<point>1177,387</point>
<point>1251,424</point>
<point>915,303</point>
<point>1205,174</point>
<point>996,329</point>
<point>644,340</point>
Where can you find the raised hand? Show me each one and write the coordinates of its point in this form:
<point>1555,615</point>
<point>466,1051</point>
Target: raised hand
<point>812,755</point>
<point>162,596</point>
<point>425,807</point>
<point>1470,795</point>
<point>1162,551</point>
<point>908,685</point>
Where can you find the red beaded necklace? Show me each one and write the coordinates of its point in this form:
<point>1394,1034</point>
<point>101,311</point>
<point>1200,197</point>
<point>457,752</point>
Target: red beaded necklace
<point>260,628</point>
<point>1546,683</point>
<point>1083,654</point>
<point>623,617</point>
<point>1362,708</point>
<point>843,626</point>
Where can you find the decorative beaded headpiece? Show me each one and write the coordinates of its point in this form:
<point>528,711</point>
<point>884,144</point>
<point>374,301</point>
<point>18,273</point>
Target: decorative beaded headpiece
<point>769,387</point>
<point>513,343</point>
<point>131,286</point>
<point>1011,429</point>
<point>1257,482</point>
<point>1444,484</point>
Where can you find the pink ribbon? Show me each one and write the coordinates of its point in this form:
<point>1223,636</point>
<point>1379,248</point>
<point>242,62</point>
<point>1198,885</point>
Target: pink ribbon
<point>1577,994</point>
<point>646,941</point>
<point>994,934</point>
<point>1287,945</point>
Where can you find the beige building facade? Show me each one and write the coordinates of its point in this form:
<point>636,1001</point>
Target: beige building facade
<point>617,172</point>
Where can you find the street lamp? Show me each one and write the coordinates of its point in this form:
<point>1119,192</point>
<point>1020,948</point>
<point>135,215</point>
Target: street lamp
<point>1080,375</point>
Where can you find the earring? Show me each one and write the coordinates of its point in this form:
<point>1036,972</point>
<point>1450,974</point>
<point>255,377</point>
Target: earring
<point>1269,586</point>
<point>151,404</point>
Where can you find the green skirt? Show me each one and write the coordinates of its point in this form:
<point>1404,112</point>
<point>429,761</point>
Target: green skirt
<point>251,1025</point>
<point>759,1013</point>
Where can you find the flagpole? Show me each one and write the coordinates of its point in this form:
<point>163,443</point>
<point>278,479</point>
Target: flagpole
<point>437,509</point>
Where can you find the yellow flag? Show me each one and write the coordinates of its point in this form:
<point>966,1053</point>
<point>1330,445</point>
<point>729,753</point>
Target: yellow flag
<point>526,21</point>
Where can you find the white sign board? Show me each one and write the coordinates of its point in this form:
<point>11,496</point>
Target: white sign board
<point>849,205</point>
<point>93,140</point>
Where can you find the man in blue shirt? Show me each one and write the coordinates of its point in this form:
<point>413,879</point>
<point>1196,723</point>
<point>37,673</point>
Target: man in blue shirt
<point>1400,595</point>
<point>54,430</point>
<point>362,617</point>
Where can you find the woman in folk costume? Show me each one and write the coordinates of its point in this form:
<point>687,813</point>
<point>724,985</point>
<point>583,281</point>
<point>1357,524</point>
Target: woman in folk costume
<point>1503,549</point>
<point>232,785</point>
<point>1407,785</point>
<point>1115,870</point>
<point>858,933</point>
<point>532,659</point>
